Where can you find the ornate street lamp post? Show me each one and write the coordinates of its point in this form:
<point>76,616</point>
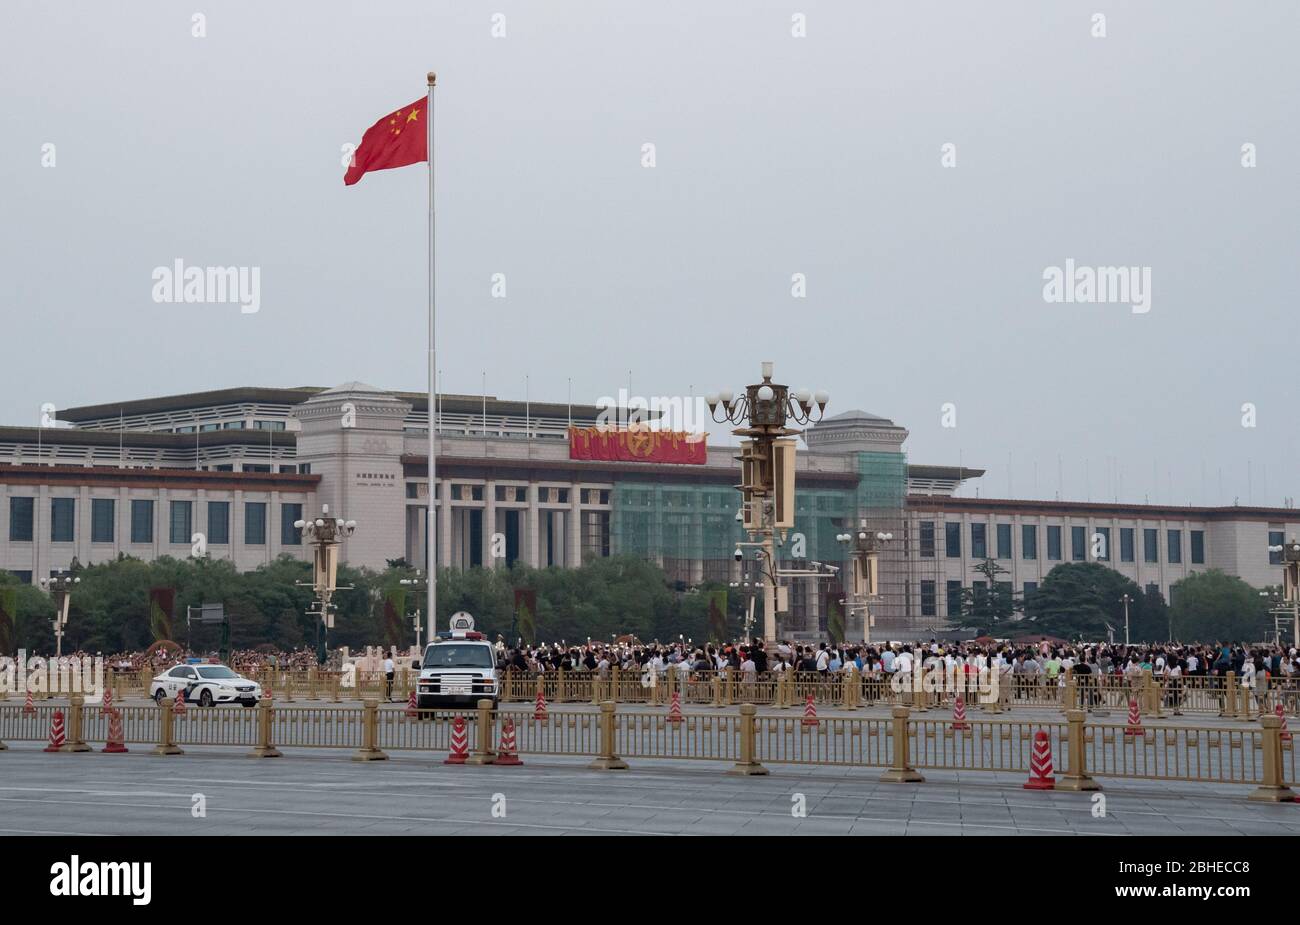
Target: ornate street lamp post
<point>60,588</point>
<point>1290,552</point>
<point>864,553</point>
<point>767,467</point>
<point>416,582</point>
<point>750,587</point>
<point>324,533</point>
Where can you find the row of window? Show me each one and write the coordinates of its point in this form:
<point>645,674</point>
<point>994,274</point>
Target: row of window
<point>230,425</point>
<point>546,494</point>
<point>929,600</point>
<point>180,521</point>
<point>1081,545</point>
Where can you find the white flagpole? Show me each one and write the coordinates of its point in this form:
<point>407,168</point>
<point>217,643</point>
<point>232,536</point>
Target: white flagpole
<point>431,613</point>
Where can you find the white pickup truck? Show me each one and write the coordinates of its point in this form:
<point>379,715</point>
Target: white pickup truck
<point>458,670</point>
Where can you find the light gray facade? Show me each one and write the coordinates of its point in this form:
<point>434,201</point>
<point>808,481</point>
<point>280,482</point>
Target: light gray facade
<point>252,459</point>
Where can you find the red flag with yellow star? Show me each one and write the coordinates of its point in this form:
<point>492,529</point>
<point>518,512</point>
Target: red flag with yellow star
<point>397,140</point>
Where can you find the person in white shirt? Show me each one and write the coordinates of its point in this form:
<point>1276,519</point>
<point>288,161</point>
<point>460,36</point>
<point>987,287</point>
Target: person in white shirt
<point>389,670</point>
<point>823,659</point>
<point>1174,674</point>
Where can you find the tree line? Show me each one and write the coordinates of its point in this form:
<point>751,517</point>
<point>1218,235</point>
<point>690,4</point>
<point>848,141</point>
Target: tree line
<point>267,606</point>
<point>622,595</point>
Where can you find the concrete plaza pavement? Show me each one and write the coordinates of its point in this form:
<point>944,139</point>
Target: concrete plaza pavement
<point>307,793</point>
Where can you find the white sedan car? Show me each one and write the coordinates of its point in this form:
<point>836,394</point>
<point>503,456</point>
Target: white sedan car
<point>206,685</point>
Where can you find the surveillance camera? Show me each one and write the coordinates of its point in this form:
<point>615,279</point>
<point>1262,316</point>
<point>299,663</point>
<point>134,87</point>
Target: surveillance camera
<point>738,555</point>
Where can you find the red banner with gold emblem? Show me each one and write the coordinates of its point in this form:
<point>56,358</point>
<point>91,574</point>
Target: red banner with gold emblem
<point>637,445</point>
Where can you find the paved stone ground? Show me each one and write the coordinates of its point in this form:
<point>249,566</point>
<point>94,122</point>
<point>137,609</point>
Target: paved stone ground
<point>307,793</point>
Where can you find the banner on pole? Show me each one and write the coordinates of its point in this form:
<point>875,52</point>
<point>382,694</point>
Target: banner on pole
<point>162,610</point>
<point>526,609</point>
<point>718,616</point>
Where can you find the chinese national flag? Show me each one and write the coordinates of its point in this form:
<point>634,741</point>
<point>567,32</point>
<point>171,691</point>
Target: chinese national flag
<point>398,139</point>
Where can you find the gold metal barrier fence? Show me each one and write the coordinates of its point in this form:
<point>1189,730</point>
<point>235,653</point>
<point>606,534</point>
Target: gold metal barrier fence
<point>1261,754</point>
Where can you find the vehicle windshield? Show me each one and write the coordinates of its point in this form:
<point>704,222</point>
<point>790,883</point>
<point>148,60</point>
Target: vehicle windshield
<point>218,671</point>
<point>458,655</point>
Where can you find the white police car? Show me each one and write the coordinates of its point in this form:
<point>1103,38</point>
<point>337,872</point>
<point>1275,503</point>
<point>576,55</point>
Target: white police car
<point>458,670</point>
<point>206,685</point>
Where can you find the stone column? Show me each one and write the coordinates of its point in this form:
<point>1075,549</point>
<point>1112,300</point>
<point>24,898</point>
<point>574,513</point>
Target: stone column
<point>444,522</point>
<point>573,555</point>
<point>532,526</point>
<point>489,522</point>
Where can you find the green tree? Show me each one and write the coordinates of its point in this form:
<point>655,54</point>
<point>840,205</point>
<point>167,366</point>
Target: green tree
<point>1079,599</point>
<point>992,605</point>
<point>33,625</point>
<point>1213,605</point>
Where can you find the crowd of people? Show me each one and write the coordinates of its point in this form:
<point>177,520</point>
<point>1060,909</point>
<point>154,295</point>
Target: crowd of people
<point>1254,668</point>
<point>241,660</point>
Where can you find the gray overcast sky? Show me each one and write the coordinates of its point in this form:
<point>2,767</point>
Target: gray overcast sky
<point>775,155</point>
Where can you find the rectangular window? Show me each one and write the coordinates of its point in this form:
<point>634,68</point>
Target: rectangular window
<point>63,519</point>
<point>1198,547</point>
<point>289,535</point>
<point>1126,544</point>
<point>979,544</point>
<point>1029,541</point>
<point>1275,539</point>
<point>182,522</point>
<point>928,608</point>
<point>1104,546</point>
<point>1054,543</point>
<point>954,598</point>
<point>952,540</point>
<point>927,539</point>
<point>1004,541</point>
<point>1030,588</point>
<point>141,521</point>
<point>102,512</point>
<point>219,522</point>
<point>1175,546</point>
<point>1150,546</point>
<point>1078,544</point>
<point>22,519</point>
<point>254,523</point>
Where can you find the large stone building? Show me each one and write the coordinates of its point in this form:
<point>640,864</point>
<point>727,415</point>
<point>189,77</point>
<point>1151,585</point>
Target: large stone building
<point>227,473</point>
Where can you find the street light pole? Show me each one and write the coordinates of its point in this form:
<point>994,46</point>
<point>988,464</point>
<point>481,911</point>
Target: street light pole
<point>864,548</point>
<point>417,625</point>
<point>60,588</point>
<point>767,457</point>
<point>1126,600</point>
<point>1290,553</point>
<point>324,533</point>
